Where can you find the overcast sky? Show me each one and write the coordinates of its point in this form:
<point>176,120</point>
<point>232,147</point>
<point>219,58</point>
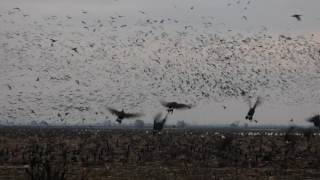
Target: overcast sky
<point>273,14</point>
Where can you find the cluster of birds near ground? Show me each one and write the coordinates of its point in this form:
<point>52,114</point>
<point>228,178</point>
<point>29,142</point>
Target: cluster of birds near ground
<point>159,121</point>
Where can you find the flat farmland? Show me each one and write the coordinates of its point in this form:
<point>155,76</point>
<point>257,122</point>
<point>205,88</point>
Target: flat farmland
<point>59,153</point>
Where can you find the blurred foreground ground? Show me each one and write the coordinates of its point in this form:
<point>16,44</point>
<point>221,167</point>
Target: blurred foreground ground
<point>97,154</point>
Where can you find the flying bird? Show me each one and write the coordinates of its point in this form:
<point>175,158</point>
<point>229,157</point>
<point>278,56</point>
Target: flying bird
<point>174,105</point>
<point>159,123</point>
<point>75,50</point>
<point>243,93</point>
<point>244,17</point>
<point>315,120</point>
<point>252,109</point>
<point>297,16</point>
<point>53,41</point>
<point>122,115</point>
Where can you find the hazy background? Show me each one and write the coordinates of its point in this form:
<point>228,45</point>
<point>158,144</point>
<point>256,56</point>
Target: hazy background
<point>131,54</point>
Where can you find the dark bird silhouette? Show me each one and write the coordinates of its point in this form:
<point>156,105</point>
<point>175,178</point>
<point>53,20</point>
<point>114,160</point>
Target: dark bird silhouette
<point>243,93</point>
<point>158,124</point>
<point>297,16</point>
<point>60,116</point>
<point>252,109</point>
<point>53,41</point>
<point>121,114</point>
<point>244,17</point>
<point>174,105</point>
<point>315,120</point>
<point>75,50</point>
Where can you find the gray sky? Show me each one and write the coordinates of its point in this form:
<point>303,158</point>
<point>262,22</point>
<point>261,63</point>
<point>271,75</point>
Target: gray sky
<point>134,53</point>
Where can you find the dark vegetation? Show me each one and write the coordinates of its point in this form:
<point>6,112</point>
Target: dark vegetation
<point>94,153</point>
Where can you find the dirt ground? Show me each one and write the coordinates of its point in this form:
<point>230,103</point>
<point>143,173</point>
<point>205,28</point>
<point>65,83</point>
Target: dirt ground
<point>97,154</point>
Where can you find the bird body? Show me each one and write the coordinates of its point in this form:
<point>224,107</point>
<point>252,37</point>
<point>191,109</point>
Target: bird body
<point>250,114</point>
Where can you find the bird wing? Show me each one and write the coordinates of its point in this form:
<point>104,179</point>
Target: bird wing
<point>309,120</point>
<point>258,102</point>
<point>157,117</point>
<point>314,118</point>
<point>164,120</point>
<point>166,104</point>
<point>114,111</point>
<point>182,106</point>
<point>132,115</point>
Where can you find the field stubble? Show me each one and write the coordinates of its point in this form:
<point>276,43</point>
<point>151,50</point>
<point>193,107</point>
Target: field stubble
<point>97,154</point>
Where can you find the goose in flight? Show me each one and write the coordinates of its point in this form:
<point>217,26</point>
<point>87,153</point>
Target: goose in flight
<point>297,16</point>
<point>252,109</point>
<point>122,115</point>
<point>174,105</point>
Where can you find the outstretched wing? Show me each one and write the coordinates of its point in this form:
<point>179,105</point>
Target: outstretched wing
<point>182,106</point>
<point>258,102</point>
<point>114,111</point>
<point>157,117</point>
<point>166,104</point>
<point>132,115</point>
<point>176,105</point>
<point>314,118</point>
<point>164,120</point>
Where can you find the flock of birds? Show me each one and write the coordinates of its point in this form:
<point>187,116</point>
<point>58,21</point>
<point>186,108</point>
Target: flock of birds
<point>62,74</point>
